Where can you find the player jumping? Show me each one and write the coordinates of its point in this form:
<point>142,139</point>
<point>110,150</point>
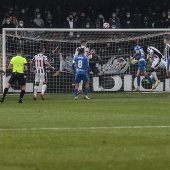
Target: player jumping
<point>157,60</point>
<point>139,56</point>
<point>81,65</point>
<point>40,60</point>
<point>86,53</point>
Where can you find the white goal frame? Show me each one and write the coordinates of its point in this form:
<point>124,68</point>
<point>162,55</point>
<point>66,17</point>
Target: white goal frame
<point>63,30</point>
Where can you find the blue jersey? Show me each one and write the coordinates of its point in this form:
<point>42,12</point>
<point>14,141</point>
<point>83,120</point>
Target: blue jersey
<point>81,63</point>
<point>138,49</point>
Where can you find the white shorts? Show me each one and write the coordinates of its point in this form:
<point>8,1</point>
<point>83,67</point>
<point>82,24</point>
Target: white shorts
<point>158,64</point>
<point>40,77</point>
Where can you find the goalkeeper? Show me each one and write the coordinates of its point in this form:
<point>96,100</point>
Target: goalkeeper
<point>139,56</point>
<point>92,64</point>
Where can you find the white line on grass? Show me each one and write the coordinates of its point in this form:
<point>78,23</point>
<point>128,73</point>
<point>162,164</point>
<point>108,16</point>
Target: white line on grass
<point>83,128</point>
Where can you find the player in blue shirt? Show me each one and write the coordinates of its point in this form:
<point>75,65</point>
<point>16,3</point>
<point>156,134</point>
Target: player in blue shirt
<point>80,66</point>
<point>139,57</point>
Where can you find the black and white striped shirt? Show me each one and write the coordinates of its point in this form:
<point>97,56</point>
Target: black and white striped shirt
<point>167,51</point>
<point>154,53</point>
<point>39,64</point>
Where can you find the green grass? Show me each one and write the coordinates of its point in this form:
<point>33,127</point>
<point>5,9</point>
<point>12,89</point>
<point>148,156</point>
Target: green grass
<point>78,141</point>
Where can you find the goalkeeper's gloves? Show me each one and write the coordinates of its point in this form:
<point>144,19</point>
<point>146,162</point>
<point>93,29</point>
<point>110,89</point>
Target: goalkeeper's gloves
<point>102,69</point>
<point>132,60</point>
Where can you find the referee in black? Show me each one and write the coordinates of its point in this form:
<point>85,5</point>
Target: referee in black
<point>18,65</point>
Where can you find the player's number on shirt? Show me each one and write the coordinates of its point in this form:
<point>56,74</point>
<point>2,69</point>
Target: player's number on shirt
<point>80,64</point>
<point>39,63</point>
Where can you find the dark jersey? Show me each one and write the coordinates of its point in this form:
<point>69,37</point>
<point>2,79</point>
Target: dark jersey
<point>94,60</point>
<point>167,51</point>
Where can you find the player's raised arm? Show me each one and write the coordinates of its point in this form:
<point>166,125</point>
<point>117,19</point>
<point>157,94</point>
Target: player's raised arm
<point>76,52</point>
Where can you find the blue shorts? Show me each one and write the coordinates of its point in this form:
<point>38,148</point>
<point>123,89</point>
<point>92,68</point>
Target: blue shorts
<point>81,76</point>
<point>142,66</point>
<point>168,64</point>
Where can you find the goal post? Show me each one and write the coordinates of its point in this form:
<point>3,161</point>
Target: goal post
<point>113,46</point>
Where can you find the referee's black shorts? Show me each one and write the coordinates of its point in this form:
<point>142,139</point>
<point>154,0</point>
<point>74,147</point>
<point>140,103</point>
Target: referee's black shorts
<point>17,77</point>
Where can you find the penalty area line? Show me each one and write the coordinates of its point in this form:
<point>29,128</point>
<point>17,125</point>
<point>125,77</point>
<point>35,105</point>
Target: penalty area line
<point>82,128</point>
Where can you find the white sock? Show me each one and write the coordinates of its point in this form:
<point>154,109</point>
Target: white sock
<point>154,75</point>
<point>44,87</point>
<point>80,85</point>
<point>35,90</point>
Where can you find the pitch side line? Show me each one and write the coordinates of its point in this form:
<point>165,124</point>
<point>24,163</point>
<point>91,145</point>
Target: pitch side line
<point>84,128</point>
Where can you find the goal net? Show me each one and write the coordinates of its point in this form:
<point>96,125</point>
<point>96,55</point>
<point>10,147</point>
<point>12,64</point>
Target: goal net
<point>113,46</point>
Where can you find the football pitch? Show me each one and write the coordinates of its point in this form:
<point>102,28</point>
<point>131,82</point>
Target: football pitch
<point>114,131</point>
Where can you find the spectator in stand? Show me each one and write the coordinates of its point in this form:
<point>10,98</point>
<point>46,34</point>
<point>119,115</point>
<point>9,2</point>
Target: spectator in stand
<point>145,23</point>
<point>155,22</point>
<point>8,23</point>
<point>157,14</point>
<point>91,13</point>
<point>24,16</point>
<point>114,21</point>
<point>57,13</point>
<point>163,20</point>
<point>118,14</point>
<point>49,23</point>
<point>88,23</point>
<point>31,24</point>
<point>37,10</point>
<point>21,24</point>
<point>137,18</point>
<point>75,18</point>
<point>128,21</point>
<point>16,11</point>
<point>38,20</point>
<point>13,19</point>
<point>169,14</point>
<point>27,10</point>
<point>70,23</point>
<point>20,34</point>
<point>81,19</point>
<point>5,18</point>
<point>100,21</point>
<point>46,13</point>
<point>167,23</point>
